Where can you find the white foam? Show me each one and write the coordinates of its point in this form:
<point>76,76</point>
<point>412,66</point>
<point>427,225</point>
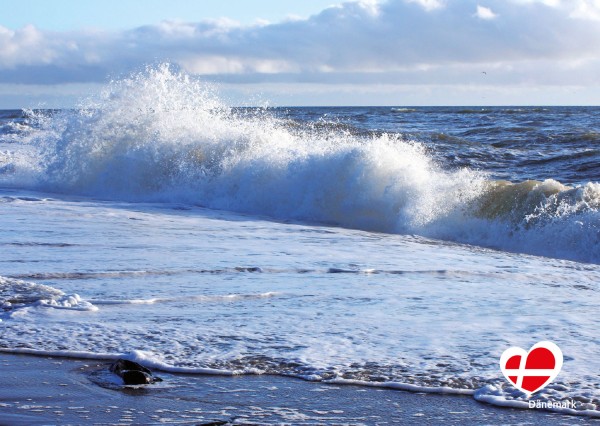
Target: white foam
<point>403,386</point>
<point>190,298</point>
<point>144,358</point>
<point>71,302</point>
<point>495,395</point>
<point>18,294</point>
<point>151,361</point>
<point>499,396</point>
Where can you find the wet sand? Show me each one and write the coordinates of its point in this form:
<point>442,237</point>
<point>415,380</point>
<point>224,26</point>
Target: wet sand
<point>50,390</point>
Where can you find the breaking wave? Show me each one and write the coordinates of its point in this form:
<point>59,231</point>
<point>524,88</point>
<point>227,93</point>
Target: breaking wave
<point>163,136</point>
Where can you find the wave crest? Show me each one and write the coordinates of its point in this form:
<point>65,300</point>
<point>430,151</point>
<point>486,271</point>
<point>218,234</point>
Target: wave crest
<point>163,136</point>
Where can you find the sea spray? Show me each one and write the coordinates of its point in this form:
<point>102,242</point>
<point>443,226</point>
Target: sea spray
<point>163,136</point>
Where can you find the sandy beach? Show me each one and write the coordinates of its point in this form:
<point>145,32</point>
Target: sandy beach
<point>48,390</point>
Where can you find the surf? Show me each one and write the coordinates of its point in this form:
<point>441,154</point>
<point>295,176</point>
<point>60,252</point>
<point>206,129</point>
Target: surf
<point>163,136</point>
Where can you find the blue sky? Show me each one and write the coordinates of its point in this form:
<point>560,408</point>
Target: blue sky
<point>367,52</point>
<point>62,15</point>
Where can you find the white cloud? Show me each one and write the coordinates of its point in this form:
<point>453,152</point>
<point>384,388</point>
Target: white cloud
<point>235,65</point>
<point>586,9</point>
<point>24,46</point>
<point>551,3</point>
<point>485,13</point>
<point>429,4</point>
<point>399,41</point>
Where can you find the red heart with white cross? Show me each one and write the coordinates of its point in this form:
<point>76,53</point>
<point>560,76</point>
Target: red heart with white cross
<point>531,371</point>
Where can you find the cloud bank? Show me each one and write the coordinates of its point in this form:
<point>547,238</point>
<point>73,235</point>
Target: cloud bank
<point>441,42</point>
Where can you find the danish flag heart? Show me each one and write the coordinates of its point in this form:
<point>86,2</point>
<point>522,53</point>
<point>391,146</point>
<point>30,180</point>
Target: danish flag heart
<point>531,371</point>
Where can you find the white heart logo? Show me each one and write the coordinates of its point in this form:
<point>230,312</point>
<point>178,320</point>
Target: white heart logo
<point>531,371</point>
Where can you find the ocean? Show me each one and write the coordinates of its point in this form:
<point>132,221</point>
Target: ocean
<point>400,247</point>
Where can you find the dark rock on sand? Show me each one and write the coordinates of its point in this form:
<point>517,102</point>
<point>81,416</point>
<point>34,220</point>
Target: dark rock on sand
<point>133,373</point>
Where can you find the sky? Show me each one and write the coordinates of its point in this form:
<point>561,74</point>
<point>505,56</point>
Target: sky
<point>310,52</point>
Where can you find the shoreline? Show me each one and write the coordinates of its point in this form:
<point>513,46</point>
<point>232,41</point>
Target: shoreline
<point>48,390</point>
